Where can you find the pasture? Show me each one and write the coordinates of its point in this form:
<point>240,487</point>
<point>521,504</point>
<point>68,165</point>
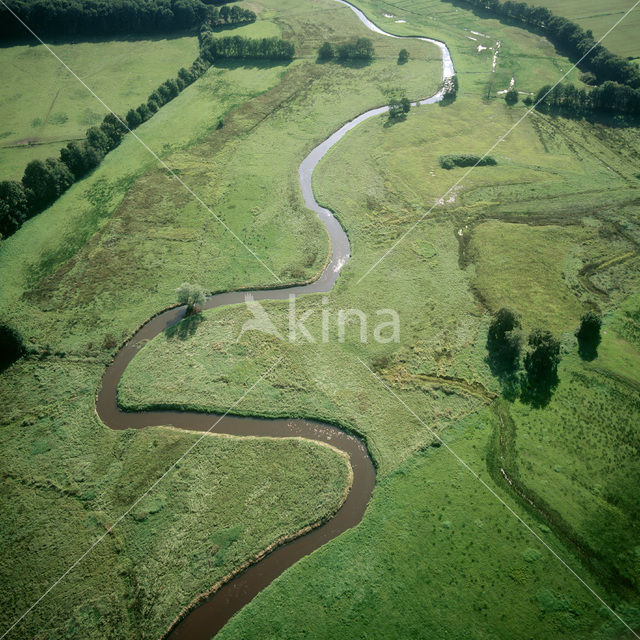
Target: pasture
<point>552,231</point>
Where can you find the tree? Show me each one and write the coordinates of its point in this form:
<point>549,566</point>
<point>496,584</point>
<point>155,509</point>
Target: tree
<point>144,112</point>
<point>403,56</point>
<point>14,208</point>
<point>326,52</point>
<point>542,358</point>
<point>588,335</point>
<point>45,181</point>
<point>11,346</point>
<point>192,295</point>
<point>80,158</point>
<point>504,342</point>
<point>511,97</point>
<point>134,119</point>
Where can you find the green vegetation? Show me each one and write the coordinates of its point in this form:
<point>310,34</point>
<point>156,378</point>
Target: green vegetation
<point>451,160</point>
<point>541,235</point>
<point>43,105</point>
<point>228,500</point>
<point>433,558</point>
<point>552,234</point>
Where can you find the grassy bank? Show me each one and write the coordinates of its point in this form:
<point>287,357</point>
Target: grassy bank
<point>435,557</point>
<point>66,478</point>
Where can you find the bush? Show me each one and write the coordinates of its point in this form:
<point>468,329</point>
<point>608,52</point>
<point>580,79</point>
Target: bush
<point>511,97</point>
<point>326,52</point>
<point>452,160</point>
<point>403,56</point>
<point>360,50</point>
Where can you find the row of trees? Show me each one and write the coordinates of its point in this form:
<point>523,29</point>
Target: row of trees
<point>237,47</point>
<point>568,37</point>
<point>111,17</point>
<point>44,181</point>
<point>360,50</point>
<point>610,97</point>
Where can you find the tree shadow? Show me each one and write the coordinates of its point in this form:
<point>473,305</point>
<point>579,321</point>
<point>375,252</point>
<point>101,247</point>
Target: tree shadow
<point>588,349</point>
<point>537,392</point>
<point>391,120</point>
<point>354,63</point>
<point>186,328</point>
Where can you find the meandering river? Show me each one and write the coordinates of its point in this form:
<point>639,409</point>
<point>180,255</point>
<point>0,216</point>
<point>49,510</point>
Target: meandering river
<point>209,617</point>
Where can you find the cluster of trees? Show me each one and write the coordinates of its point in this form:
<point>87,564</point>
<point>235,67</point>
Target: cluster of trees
<point>449,90</point>
<point>610,97</point>
<point>505,346</point>
<point>44,181</point>
<point>399,107</point>
<point>245,48</point>
<point>360,50</point>
<point>110,17</point>
<point>451,160</point>
<point>568,37</point>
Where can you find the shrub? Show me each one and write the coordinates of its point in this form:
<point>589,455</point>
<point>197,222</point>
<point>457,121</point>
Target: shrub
<point>511,97</point>
<point>403,56</point>
<point>452,160</point>
<point>326,52</point>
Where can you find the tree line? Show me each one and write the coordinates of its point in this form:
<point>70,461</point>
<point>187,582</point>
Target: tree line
<point>44,181</point>
<point>566,36</point>
<point>609,97</point>
<point>112,17</point>
<point>237,47</point>
<point>360,50</point>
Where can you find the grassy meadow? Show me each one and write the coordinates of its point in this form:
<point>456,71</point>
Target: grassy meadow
<point>600,18</point>
<point>551,230</point>
<point>493,242</point>
<point>66,478</point>
<point>43,106</point>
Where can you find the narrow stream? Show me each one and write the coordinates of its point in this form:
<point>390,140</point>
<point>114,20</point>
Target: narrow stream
<point>208,618</point>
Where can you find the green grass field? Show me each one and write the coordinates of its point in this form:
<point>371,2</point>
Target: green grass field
<point>552,230</point>
<point>600,18</point>
<point>227,501</point>
<point>43,105</point>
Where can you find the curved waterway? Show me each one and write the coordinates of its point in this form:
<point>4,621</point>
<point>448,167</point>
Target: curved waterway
<point>209,617</point>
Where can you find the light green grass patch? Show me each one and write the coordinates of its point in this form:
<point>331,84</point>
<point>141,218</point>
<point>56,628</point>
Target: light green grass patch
<point>42,102</point>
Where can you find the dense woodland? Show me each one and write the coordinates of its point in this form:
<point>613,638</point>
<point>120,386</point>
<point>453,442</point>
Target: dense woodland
<point>114,17</point>
<point>44,181</point>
